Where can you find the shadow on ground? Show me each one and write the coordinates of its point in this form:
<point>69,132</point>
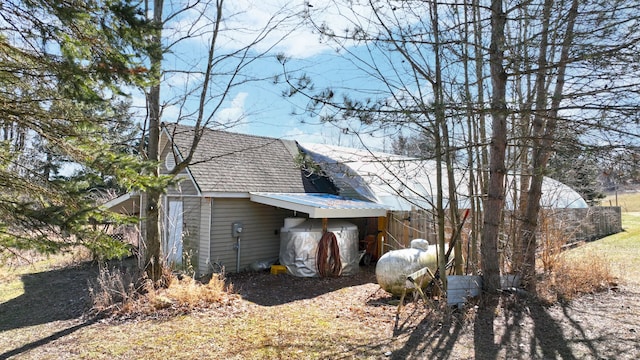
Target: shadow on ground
<point>432,337</point>
<point>49,296</point>
<point>61,294</point>
<point>602,326</point>
<point>266,289</point>
<point>598,326</point>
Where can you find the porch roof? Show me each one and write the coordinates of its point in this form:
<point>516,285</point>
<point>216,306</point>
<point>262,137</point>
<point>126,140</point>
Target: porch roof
<point>319,205</point>
<point>128,204</point>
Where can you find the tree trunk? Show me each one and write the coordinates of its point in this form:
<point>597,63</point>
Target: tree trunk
<point>495,195</point>
<point>440,146</point>
<point>480,136</point>
<point>153,252</point>
<point>545,124</point>
<point>531,202</point>
<point>153,255</point>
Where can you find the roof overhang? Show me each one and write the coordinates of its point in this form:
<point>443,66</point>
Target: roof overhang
<point>226,195</point>
<point>127,204</point>
<point>321,205</point>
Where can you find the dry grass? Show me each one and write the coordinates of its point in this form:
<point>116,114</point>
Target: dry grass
<point>621,251</point>
<point>553,236</point>
<point>313,319</point>
<point>186,293</point>
<point>575,276</point>
<point>595,266</point>
<point>565,277</point>
<point>629,202</point>
<point>114,290</point>
<point>319,319</point>
<point>123,293</point>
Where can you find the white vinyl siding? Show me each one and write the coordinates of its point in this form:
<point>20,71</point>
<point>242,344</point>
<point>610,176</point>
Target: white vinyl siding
<point>184,187</point>
<point>190,227</point>
<point>192,214</point>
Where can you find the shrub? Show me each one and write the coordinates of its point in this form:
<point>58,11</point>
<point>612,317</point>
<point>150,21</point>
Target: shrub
<point>115,289</point>
<point>189,293</point>
<point>576,275</point>
<point>122,293</point>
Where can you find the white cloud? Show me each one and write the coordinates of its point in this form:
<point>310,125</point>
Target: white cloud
<point>170,113</point>
<point>279,24</point>
<point>294,36</point>
<point>284,26</point>
<point>182,81</point>
<point>234,115</point>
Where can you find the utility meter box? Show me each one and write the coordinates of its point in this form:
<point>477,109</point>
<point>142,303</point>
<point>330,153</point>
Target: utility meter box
<point>236,229</point>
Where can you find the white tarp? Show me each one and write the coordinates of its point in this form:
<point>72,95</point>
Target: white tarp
<point>299,246</point>
<point>403,183</point>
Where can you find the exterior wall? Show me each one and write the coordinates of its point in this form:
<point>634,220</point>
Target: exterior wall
<point>142,224</point>
<point>204,243</point>
<point>191,239</point>
<point>190,228</point>
<point>260,239</point>
<point>184,187</point>
<point>186,192</point>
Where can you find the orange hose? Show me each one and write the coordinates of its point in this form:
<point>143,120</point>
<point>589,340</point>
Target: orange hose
<point>328,257</point>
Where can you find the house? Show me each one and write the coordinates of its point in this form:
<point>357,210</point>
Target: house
<point>231,205</point>
<point>232,201</point>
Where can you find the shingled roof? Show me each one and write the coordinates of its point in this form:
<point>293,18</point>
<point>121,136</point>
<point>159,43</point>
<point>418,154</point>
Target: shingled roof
<point>232,162</point>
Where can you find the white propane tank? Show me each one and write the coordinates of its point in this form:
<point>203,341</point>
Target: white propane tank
<point>393,267</point>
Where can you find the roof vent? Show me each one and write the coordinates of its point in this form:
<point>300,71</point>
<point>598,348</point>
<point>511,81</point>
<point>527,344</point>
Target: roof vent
<point>170,162</point>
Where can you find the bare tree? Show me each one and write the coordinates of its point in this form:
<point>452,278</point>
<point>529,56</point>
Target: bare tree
<point>153,262</point>
<point>495,195</point>
<point>417,90</point>
<point>551,64</point>
<point>223,69</point>
<point>562,88</point>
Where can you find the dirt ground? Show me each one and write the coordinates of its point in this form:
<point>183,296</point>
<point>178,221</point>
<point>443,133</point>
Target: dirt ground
<point>597,326</point>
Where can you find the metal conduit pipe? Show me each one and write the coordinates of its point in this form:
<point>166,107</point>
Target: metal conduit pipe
<point>237,228</point>
<point>237,246</point>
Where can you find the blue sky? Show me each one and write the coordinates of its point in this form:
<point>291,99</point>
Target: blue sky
<point>259,107</point>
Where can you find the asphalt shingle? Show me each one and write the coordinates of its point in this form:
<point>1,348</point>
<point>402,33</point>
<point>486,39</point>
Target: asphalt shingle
<point>232,162</point>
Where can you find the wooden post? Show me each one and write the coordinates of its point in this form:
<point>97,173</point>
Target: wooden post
<point>405,232</point>
<point>325,224</point>
<point>382,231</point>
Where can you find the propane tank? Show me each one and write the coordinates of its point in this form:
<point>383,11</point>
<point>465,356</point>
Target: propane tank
<point>393,267</point>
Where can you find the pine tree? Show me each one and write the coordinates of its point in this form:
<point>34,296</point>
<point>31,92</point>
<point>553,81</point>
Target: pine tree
<point>62,66</point>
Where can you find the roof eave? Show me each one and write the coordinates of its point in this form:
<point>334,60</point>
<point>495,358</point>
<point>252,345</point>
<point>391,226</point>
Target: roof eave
<point>318,211</point>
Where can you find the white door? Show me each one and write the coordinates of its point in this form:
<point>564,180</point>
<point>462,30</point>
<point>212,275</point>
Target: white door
<point>173,244</point>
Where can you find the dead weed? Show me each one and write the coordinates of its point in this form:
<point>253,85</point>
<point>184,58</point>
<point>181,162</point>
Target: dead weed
<point>575,276</point>
<point>125,294</point>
